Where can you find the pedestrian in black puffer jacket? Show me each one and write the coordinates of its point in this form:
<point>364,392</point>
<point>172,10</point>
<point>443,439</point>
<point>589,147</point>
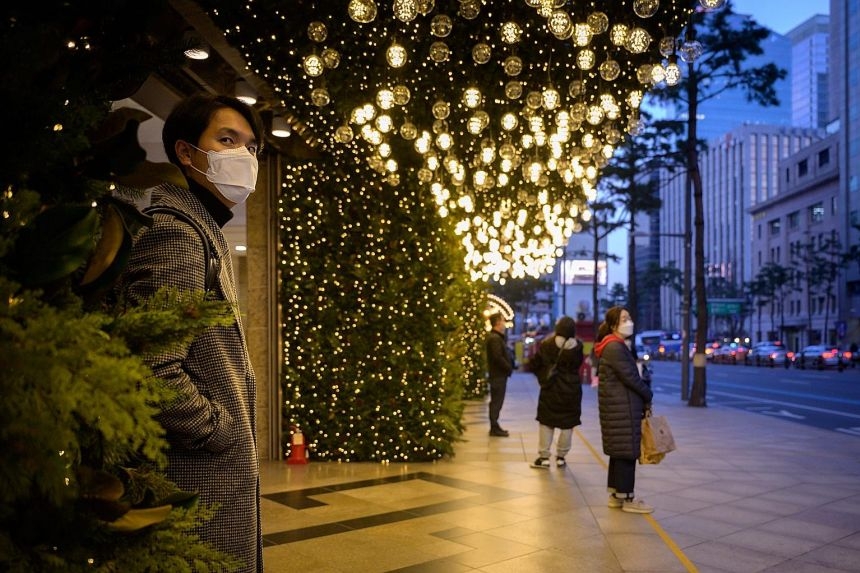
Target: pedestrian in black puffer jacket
<point>622,399</point>
<point>560,399</point>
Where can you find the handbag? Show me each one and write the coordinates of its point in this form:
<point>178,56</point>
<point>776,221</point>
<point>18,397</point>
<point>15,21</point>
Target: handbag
<point>657,439</point>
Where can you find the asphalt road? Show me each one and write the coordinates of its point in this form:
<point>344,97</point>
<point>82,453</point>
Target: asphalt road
<point>826,399</point>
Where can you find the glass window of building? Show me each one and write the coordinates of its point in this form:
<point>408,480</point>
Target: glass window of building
<point>816,213</point>
<point>802,168</point>
<point>824,157</point>
<point>774,227</point>
<point>794,220</point>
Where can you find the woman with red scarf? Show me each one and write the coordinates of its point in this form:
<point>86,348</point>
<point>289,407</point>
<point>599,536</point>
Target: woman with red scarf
<point>622,399</point>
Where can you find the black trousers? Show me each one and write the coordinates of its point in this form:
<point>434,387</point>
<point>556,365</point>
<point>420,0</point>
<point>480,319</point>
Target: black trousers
<point>498,386</point>
<point>621,476</point>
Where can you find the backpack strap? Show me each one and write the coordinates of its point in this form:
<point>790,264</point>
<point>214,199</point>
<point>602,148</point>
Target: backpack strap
<point>213,264</point>
<point>560,350</point>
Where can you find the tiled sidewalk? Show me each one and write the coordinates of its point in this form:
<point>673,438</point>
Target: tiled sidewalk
<point>743,492</point>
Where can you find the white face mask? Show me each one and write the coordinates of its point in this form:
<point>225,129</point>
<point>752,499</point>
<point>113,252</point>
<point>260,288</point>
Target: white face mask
<point>625,329</point>
<point>233,171</point>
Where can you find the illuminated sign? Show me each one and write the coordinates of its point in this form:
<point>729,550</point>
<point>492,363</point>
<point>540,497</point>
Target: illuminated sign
<point>497,304</point>
<point>581,272</point>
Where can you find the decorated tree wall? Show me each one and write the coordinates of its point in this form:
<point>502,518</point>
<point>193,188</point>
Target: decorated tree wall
<point>382,327</point>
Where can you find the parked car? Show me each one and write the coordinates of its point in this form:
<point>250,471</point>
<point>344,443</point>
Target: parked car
<point>668,350</point>
<point>730,353</point>
<point>850,356</point>
<point>781,356</point>
<point>710,348</point>
<point>819,356</point>
<point>765,355</point>
<point>767,343</point>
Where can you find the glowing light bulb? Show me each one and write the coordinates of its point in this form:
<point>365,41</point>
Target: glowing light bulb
<point>609,70</point>
<point>472,97</point>
<point>439,52</point>
<point>581,35</point>
<point>317,31</point>
<point>673,72</point>
<point>405,10</point>
<point>396,55</point>
<point>598,22</point>
<point>313,65</point>
<point>551,98</point>
<point>646,8</point>
<point>481,53</point>
<point>385,99</point>
<point>559,24</point>
<point>362,11</point>
<point>510,32</point>
<point>585,59</point>
<point>509,121</point>
<point>441,25</point>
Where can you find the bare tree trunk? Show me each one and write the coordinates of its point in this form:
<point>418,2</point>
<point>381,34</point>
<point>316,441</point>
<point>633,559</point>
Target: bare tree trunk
<point>699,390</point>
<point>759,319</point>
<point>782,318</point>
<point>773,305</point>
<point>596,256</point>
<point>632,299</point>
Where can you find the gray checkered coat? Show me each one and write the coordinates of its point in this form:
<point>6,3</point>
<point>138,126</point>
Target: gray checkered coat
<point>212,432</point>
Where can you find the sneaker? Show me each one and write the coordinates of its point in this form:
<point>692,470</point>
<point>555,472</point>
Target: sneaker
<point>540,463</point>
<point>636,506</point>
<point>560,463</point>
<point>615,502</point>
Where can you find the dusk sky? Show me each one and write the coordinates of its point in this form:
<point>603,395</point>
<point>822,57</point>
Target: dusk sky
<point>781,15</point>
<point>778,15</point>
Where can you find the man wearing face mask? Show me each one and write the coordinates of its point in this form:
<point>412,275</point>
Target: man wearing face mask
<point>622,397</point>
<point>211,425</point>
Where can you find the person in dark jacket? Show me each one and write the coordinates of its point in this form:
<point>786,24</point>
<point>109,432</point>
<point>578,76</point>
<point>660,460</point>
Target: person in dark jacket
<point>622,399</point>
<point>500,365</point>
<point>556,365</point>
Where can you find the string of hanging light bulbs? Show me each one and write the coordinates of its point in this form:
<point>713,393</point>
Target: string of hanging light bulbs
<point>506,111</point>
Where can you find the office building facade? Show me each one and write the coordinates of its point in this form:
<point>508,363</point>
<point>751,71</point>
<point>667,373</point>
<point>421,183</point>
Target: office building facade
<point>739,170</point>
<point>810,55</point>
<point>845,113</point>
<point>799,231</point>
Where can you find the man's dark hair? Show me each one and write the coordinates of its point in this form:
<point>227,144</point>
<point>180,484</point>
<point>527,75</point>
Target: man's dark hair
<point>189,119</point>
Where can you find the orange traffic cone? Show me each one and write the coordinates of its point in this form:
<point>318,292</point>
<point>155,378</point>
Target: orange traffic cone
<point>298,455</point>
